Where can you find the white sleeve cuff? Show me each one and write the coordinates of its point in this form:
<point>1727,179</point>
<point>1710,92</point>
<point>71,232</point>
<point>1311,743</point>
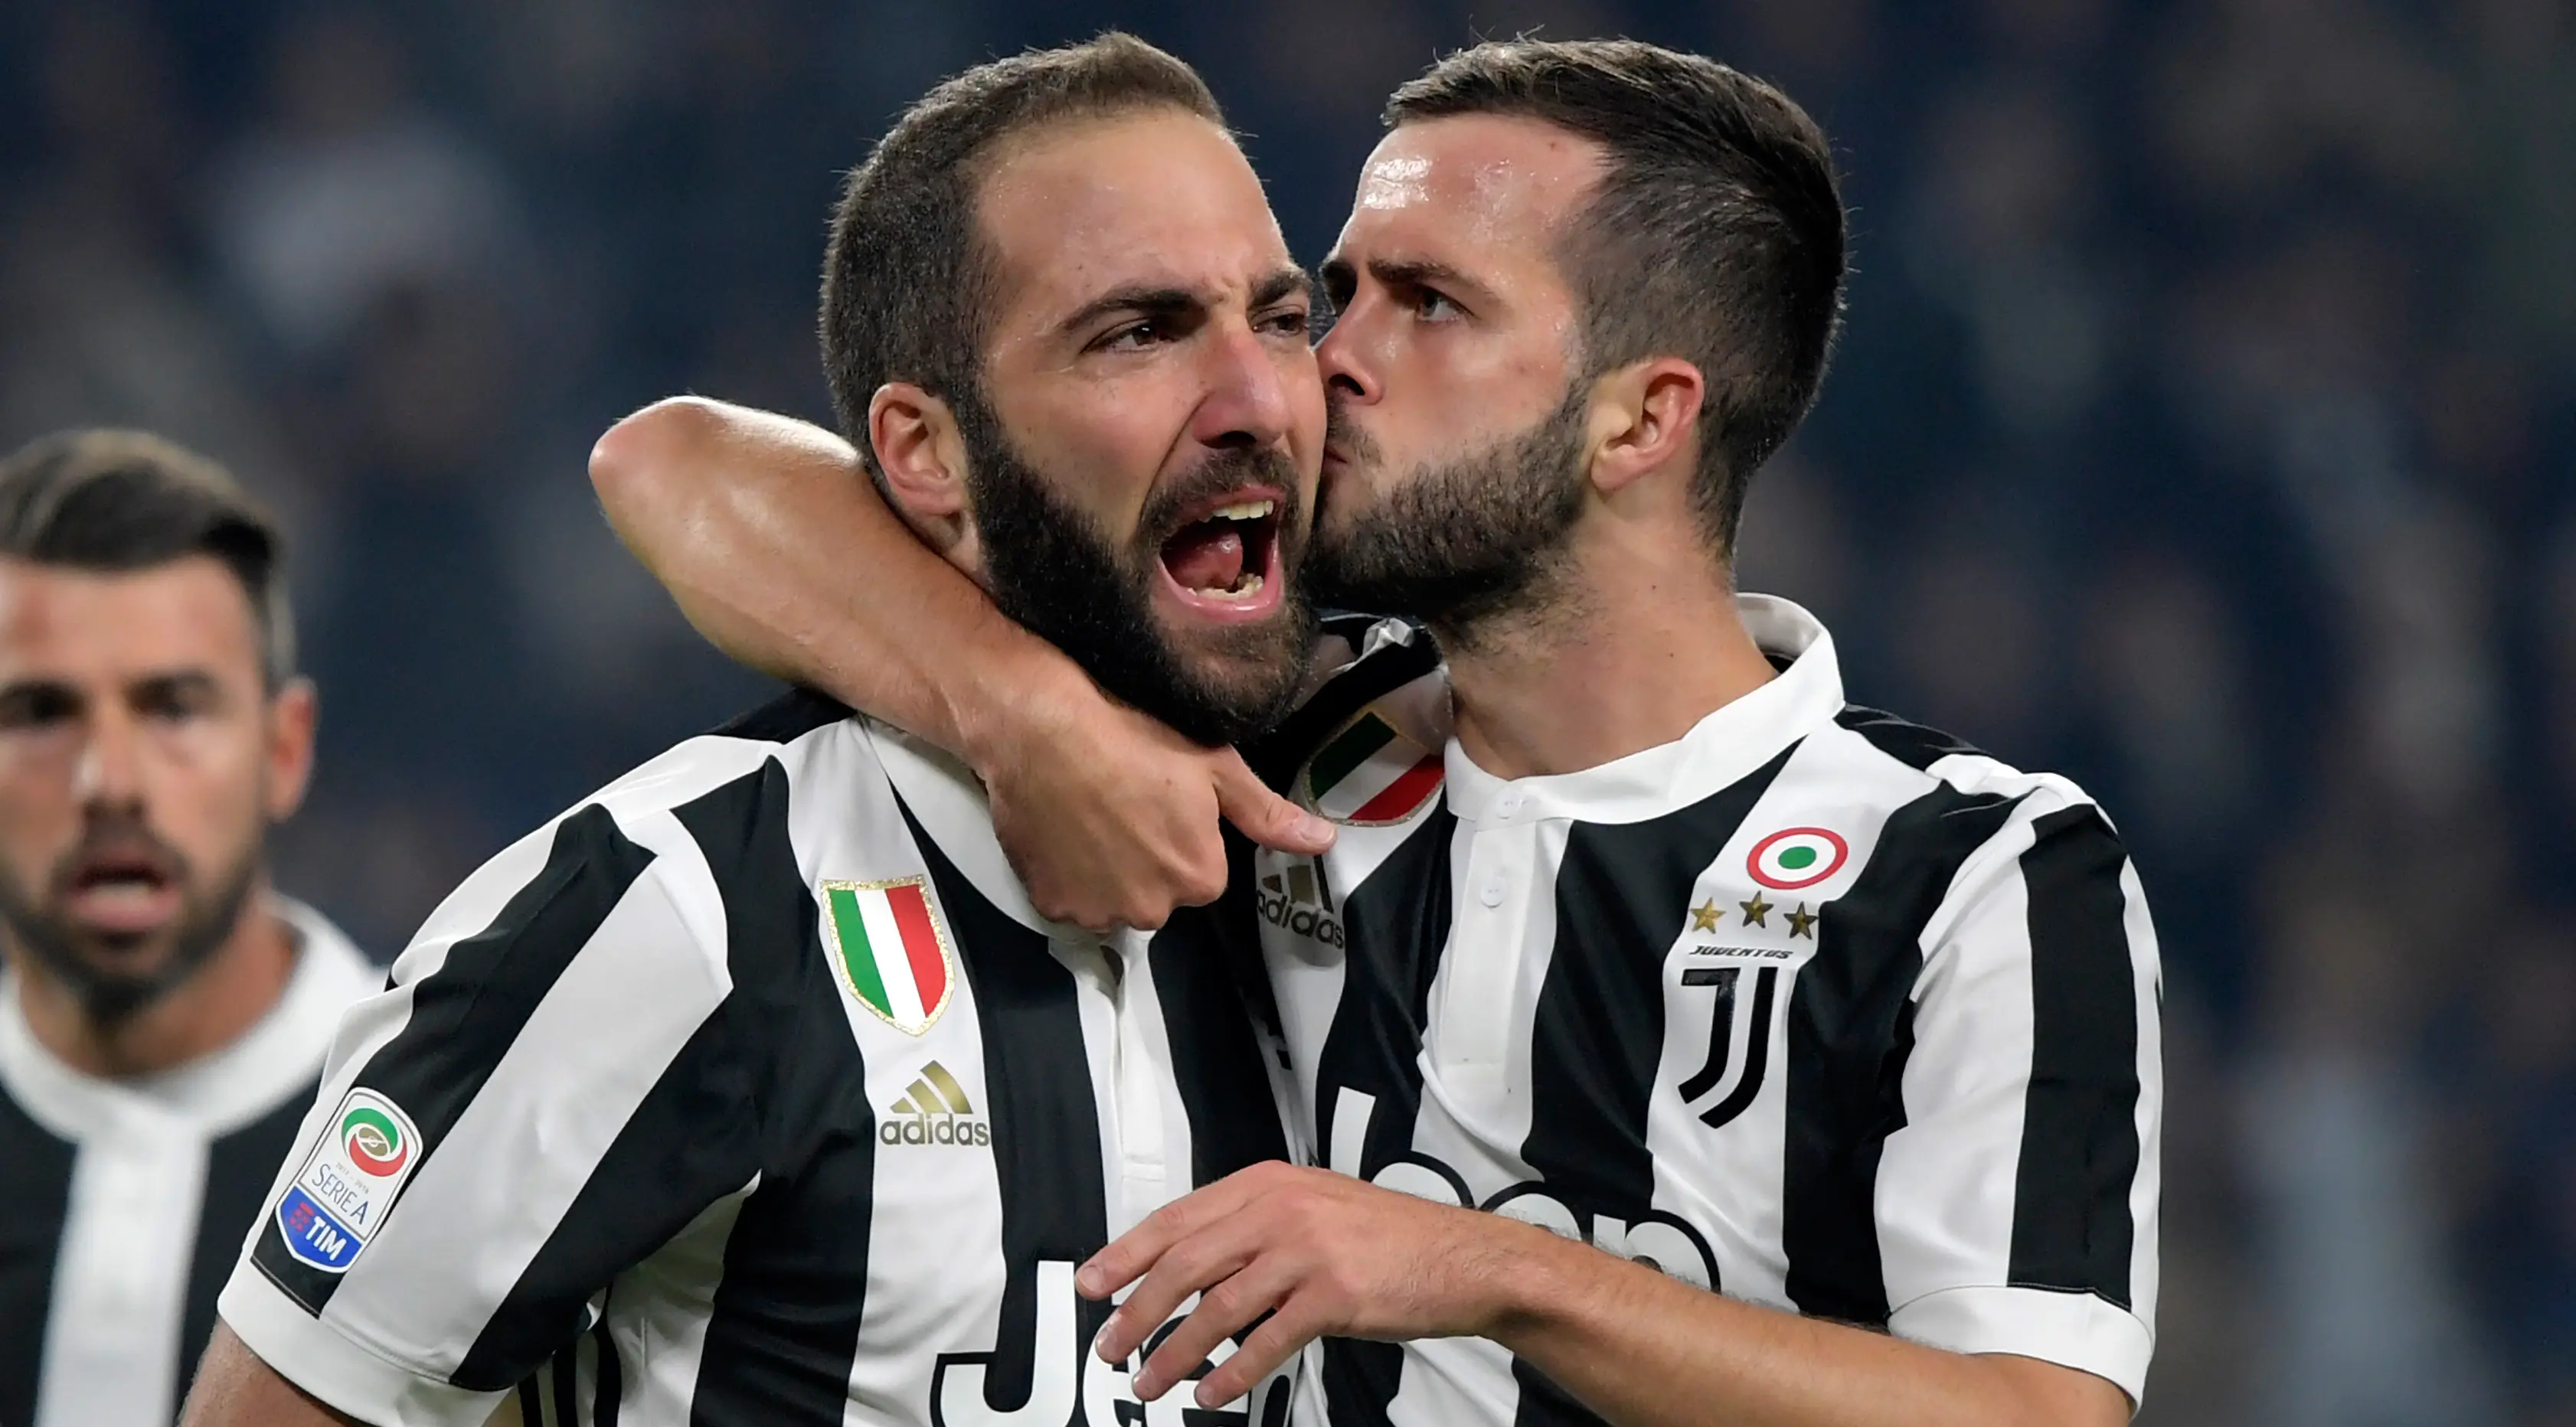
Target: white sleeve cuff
<point>314,1356</point>
<point>2076,1330</point>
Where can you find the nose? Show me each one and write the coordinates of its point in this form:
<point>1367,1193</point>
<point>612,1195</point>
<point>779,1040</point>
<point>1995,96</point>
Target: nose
<point>1348,372</point>
<point>110,771</point>
<point>1247,404</point>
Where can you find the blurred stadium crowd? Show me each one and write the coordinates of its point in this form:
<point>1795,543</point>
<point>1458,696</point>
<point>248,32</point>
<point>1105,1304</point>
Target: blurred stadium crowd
<point>2206,427</point>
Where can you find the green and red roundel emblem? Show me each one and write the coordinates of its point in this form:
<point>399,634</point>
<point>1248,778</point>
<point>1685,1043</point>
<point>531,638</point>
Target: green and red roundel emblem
<point>1797,857</point>
<point>374,1143</point>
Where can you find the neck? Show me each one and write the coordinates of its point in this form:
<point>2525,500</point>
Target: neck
<point>199,1016</point>
<point>1636,641</point>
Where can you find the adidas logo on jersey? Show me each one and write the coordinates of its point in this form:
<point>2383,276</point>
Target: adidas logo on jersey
<point>934,1111</point>
<point>1296,902</point>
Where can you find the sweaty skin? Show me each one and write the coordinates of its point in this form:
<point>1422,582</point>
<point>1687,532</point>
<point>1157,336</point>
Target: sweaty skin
<point>1454,330</point>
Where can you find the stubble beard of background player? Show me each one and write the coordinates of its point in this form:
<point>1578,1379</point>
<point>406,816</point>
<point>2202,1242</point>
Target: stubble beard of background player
<point>1052,569</point>
<point>1469,545</point>
<point>207,915</point>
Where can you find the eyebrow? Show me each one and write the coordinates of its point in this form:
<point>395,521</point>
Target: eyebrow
<point>175,680</point>
<point>1280,284</point>
<point>1149,300</point>
<point>1403,272</point>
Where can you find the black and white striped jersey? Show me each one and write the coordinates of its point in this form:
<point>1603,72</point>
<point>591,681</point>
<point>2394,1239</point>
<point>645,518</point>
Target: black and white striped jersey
<point>1812,1007</point>
<point>750,1091</point>
<point>123,1202</point>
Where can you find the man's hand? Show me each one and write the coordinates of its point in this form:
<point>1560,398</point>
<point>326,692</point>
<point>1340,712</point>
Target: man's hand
<point>1320,1253</point>
<point>1109,817</point>
<point>1323,1254</point>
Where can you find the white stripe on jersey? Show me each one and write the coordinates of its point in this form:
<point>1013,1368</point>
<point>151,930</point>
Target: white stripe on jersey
<point>123,1266</point>
<point>1971,1148</point>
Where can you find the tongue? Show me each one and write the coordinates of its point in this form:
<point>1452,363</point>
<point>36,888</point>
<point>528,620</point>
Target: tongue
<point>1206,556</point>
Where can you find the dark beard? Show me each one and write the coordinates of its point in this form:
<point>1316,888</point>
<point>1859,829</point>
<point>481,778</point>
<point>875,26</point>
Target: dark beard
<point>1461,545</point>
<point>1053,570</point>
<point>109,997</point>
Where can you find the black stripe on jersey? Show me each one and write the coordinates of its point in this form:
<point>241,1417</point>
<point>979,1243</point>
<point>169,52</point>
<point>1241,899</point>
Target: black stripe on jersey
<point>1198,962</point>
<point>1401,913</point>
<point>1623,892</point>
<point>1277,755</point>
<point>1850,1003</point>
<point>784,719</point>
<point>2079,1148</point>
<point>466,1014</point>
<point>608,1376</point>
<point>1046,1125</point>
<point>784,1327</point>
<point>567,1384</point>
<point>35,1198</point>
<point>1597,1033</point>
<point>240,1167</point>
<point>694,1137</point>
<point>1911,744</point>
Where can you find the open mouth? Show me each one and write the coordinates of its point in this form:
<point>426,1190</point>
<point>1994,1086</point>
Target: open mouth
<point>1226,559</point>
<point>125,892</point>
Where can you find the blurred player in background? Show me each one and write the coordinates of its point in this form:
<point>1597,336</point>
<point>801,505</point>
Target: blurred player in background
<point>164,1011</point>
<point>1634,931</point>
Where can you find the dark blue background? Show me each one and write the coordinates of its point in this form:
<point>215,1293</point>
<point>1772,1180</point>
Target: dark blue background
<point>2206,429</point>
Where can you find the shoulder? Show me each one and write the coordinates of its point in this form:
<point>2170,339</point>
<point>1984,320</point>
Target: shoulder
<point>1896,762</point>
<point>1944,818</point>
<point>667,845</point>
<point>2013,862</point>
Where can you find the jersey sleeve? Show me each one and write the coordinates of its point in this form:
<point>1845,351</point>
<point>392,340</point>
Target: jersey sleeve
<point>544,1094</point>
<point>2017,1207</point>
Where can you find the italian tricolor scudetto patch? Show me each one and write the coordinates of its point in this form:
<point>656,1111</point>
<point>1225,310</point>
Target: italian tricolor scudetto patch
<point>891,949</point>
<point>1369,775</point>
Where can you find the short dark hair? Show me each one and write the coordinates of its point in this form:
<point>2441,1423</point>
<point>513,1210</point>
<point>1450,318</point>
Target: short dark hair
<point>118,501</point>
<point>1716,234</point>
<point>910,276</point>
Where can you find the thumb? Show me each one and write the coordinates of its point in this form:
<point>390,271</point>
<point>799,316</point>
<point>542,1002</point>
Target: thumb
<point>1264,816</point>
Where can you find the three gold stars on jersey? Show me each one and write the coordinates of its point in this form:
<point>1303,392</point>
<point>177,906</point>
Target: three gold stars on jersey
<point>1708,916</point>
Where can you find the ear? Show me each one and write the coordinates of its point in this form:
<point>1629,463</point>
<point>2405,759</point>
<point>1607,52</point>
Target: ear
<point>918,447</point>
<point>1645,418</point>
<point>294,712</point>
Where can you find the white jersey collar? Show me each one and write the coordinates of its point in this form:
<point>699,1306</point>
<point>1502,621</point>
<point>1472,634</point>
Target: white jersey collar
<point>219,1093</point>
<point>1720,749</point>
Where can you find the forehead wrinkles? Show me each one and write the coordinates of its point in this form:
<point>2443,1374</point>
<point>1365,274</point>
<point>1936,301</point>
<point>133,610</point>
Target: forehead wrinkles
<point>1124,199</point>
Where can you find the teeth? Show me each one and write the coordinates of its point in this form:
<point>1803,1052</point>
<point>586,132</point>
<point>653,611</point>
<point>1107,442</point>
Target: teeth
<point>1242,510</point>
<point>121,892</point>
<point>1251,586</point>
